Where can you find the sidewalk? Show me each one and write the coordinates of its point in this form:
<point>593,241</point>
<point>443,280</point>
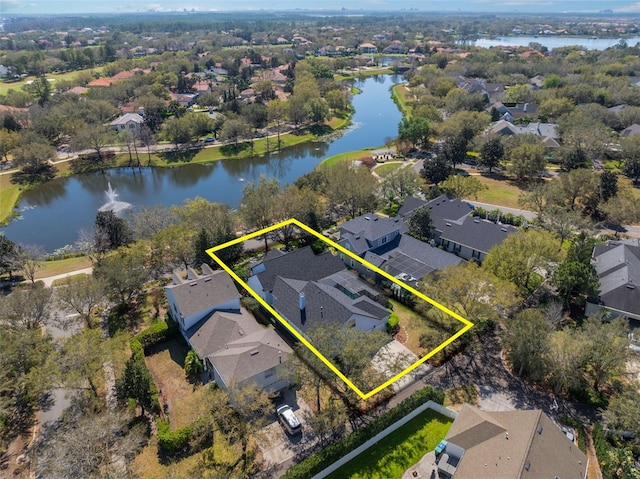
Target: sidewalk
<point>48,281</point>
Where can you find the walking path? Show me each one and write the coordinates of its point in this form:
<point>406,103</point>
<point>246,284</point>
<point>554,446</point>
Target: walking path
<point>48,281</point>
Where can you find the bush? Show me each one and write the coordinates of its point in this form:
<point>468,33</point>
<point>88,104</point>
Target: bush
<point>193,367</point>
<point>392,323</point>
<point>327,456</point>
<point>172,442</point>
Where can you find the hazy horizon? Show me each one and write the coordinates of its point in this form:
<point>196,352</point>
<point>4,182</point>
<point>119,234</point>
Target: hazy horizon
<point>44,7</point>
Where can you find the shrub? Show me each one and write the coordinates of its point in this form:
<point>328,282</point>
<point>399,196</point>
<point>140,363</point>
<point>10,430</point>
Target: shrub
<point>327,456</point>
<point>193,367</point>
<point>172,442</point>
<point>392,323</point>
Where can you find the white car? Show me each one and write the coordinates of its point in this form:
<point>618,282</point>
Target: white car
<point>288,419</point>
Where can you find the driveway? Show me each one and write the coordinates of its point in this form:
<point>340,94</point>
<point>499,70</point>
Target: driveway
<point>279,448</point>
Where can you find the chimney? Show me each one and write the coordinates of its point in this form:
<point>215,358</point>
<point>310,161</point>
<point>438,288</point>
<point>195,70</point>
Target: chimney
<point>526,106</point>
<point>302,302</point>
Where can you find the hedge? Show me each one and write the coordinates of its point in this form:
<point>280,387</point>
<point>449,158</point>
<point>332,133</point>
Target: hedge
<point>494,215</point>
<point>324,458</point>
<point>157,333</point>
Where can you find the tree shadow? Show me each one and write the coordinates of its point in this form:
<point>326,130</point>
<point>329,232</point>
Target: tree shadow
<point>320,129</point>
<point>180,155</point>
<point>233,149</point>
<point>31,175</point>
<point>92,162</point>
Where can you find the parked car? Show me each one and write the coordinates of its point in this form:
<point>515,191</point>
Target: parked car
<point>209,139</point>
<point>288,419</point>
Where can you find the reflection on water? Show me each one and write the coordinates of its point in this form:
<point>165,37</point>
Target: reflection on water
<point>66,205</point>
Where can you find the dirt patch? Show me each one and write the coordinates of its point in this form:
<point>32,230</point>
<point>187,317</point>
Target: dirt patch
<point>401,336</point>
<point>9,466</point>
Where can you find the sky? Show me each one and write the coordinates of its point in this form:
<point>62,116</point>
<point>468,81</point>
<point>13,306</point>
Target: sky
<point>40,7</point>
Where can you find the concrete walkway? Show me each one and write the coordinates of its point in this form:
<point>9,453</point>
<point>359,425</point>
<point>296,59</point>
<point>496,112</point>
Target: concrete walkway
<point>48,281</point>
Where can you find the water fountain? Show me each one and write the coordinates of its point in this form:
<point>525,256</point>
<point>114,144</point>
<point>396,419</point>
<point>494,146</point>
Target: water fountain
<point>113,204</point>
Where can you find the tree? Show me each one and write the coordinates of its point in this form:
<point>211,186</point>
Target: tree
<point>92,445</point>
<point>136,383</point>
<point>622,209</point>
<point>576,187</point>
<point>116,229</point>
<point>258,207</point>
<point>458,186</point>
<point>420,224</point>
<point>8,141</point>
<point>179,130</point>
<point>608,185</point>
<point>9,256</point>
<point>623,411</point>
<point>27,308</point>
<point>33,154</point>
<point>399,183</point>
<point>522,256</point>
<point>573,158</point>
<point>27,369</point>
<point>416,131</point>
<point>527,161</point>
<point>93,137</point>
<point>277,112</point>
<point>175,245</point>
<point>607,348</point>
<point>31,258</point>
<point>124,274</point>
<point>491,153</point>
<point>329,423</point>
<point>436,169</point>
<point>471,291</point>
<point>303,204</point>
<point>234,129</point>
<point>454,150</point>
<point>353,187</point>
<point>40,89</point>
<point>575,280</point>
<point>526,341</point>
<point>519,94</point>
<point>317,110</point>
<point>631,155</point>
<point>563,221</point>
<point>81,295</point>
<point>566,358</point>
<point>147,139</point>
<point>81,360</point>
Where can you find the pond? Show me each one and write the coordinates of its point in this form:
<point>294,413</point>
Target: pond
<point>53,214</point>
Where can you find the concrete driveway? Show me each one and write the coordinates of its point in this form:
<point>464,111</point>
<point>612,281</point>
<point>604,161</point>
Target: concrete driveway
<point>279,447</point>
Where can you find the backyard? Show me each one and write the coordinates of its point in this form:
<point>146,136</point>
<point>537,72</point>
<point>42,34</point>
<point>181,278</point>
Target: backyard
<point>393,455</point>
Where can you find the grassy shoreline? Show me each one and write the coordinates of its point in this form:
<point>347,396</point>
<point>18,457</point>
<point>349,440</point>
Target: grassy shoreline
<point>10,193</point>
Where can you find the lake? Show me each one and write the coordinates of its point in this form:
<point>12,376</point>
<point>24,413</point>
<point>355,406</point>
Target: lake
<point>552,42</point>
<point>52,214</point>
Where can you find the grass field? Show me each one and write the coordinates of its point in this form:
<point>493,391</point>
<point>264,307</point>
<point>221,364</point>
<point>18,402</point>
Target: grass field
<point>500,192</point>
<point>385,169</point>
<point>9,195</point>
<point>347,156</point>
<point>363,74</point>
<point>4,86</point>
<point>53,268</point>
<point>401,96</point>
<point>393,455</point>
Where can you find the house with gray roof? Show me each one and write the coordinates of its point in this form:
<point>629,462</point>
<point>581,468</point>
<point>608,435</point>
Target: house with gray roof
<point>198,296</point>
<point>508,445</point>
<point>617,264</point>
<point>234,348</point>
<point>456,231</point>
<point>309,290</point>
<point>384,243</point>
<point>548,132</point>
<point>128,122</point>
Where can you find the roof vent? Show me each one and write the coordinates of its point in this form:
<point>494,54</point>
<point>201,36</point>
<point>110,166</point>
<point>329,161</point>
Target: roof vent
<point>253,353</point>
<point>527,465</point>
<point>367,218</point>
<point>503,230</point>
<point>476,221</point>
<point>376,218</point>
<point>539,429</point>
<point>631,286</point>
<point>448,224</point>
<point>207,280</point>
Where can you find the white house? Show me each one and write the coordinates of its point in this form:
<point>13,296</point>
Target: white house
<point>128,122</point>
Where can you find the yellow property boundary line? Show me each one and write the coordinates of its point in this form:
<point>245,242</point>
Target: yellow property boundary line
<point>467,324</point>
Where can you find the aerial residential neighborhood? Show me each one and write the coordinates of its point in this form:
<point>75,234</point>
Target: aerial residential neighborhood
<point>344,241</point>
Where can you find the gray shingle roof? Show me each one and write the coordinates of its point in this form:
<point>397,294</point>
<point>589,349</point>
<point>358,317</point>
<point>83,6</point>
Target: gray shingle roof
<point>203,293</point>
<point>323,304</point>
<point>250,356</point>
<point>301,264</point>
<point>370,226</point>
<point>477,234</point>
<point>618,268</point>
<point>410,204</point>
<point>212,333</point>
<point>445,208</point>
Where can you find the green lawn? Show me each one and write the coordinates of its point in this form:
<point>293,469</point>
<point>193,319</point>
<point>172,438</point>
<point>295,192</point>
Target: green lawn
<point>363,74</point>
<point>347,156</point>
<point>393,455</point>
<point>500,192</point>
<point>6,86</point>
<point>385,169</point>
<point>401,96</point>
